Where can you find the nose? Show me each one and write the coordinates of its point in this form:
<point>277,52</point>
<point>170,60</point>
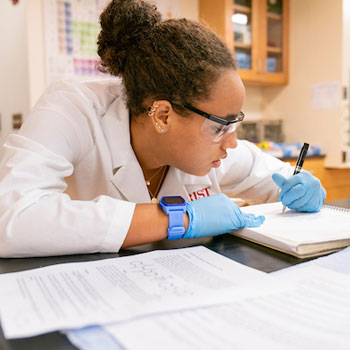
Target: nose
<point>229,141</point>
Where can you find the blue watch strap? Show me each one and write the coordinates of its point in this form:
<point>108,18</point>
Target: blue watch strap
<point>176,228</point>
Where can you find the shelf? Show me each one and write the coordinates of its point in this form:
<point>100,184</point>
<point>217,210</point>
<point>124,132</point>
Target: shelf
<point>243,46</point>
<point>242,9</point>
<point>274,49</point>
<point>274,16</point>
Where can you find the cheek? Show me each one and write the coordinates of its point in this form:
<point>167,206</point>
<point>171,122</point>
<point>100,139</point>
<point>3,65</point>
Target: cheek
<point>187,136</point>
<point>190,151</point>
<point>196,157</point>
<point>197,146</point>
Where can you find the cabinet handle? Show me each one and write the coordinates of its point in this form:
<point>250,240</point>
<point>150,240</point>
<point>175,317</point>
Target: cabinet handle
<point>260,66</point>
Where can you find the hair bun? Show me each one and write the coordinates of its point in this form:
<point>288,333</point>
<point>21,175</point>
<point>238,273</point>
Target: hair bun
<point>124,24</point>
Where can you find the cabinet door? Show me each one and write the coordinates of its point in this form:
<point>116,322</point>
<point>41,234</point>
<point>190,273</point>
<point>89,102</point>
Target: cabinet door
<point>257,32</point>
<point>274,53</point>
<point>260,40</point>
<point>246,42</point>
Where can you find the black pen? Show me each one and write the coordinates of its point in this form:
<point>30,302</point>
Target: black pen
<point>299,163</point>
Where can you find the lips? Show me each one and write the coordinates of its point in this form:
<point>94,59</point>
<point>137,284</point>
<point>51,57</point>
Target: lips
<point>216,163</point>
<point>220,158</point>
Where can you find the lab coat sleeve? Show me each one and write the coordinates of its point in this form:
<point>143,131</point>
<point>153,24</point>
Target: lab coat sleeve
<point>247,174</point>
<point>36,217</point>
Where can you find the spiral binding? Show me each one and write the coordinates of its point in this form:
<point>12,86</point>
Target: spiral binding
<point>345,210</point>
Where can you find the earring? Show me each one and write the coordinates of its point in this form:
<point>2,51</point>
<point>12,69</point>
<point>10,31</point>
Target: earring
<point>159,127</point>
<point>152,109</point>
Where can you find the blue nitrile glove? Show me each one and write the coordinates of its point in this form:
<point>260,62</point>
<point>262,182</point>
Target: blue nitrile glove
<point>215,215</point>
<point>301,192</point>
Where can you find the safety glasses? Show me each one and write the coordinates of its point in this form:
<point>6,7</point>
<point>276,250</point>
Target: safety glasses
<point>215,127</point>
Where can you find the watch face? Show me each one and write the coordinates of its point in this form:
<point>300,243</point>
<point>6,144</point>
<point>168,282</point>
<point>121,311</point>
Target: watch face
<point>173,200</point>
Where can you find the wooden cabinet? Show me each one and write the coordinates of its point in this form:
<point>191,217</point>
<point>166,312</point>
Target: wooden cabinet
<point>335,181</point>
<point>257,32</point>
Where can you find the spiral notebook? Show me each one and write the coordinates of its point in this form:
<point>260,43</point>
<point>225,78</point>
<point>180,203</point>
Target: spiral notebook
<point>300,234</point>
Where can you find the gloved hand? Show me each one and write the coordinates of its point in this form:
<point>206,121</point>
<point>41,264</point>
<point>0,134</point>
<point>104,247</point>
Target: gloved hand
<point>216,215</point>
<point>301,192</point>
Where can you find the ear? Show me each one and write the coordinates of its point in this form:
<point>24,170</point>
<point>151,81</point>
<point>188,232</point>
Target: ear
<point>160,113</point>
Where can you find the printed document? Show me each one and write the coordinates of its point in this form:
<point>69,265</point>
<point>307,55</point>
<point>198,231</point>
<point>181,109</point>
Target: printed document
<point>314,314</point>
<point>75,295</point>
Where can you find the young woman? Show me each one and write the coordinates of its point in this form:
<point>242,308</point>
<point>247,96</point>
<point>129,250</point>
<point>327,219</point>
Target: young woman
<point>92,159</point>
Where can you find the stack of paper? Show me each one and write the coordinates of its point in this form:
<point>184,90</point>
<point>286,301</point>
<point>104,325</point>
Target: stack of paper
<point>314,313</point>
<point>79,294</point>
<point>181,299</point>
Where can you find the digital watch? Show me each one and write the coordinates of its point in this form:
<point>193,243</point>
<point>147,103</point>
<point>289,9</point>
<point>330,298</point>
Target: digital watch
<point>175,208</point>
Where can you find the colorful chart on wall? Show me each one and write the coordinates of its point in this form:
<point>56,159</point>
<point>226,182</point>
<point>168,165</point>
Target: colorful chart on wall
<point>71,31</point>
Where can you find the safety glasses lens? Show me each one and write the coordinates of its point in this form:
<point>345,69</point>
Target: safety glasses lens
<point>214,131</point>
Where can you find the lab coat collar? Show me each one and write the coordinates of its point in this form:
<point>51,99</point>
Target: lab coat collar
<point>127,174</point>
<point>116,127</point>
<point>129,180</point>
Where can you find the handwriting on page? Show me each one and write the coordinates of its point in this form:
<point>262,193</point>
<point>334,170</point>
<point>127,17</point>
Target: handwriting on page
<point>164,281</point>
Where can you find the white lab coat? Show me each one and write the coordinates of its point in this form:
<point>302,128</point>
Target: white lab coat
<point>69,180</point>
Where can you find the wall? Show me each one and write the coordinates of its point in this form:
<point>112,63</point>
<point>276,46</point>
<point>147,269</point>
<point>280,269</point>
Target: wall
<point>36,47</point>
<point>189,9</point>
<point>253,103</point>
<point>346,65</point>
<point>315,56</point>
<point>14,92</point>
<point>346,42</point>
<point>346,72</point>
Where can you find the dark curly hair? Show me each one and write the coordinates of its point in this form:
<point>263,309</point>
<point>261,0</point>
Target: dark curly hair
<point>177,60</point>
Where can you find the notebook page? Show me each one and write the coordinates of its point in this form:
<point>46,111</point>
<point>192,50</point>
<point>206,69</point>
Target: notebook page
<point>330,223</point>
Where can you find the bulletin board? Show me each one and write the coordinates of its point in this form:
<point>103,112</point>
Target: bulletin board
<point>71,31</point>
